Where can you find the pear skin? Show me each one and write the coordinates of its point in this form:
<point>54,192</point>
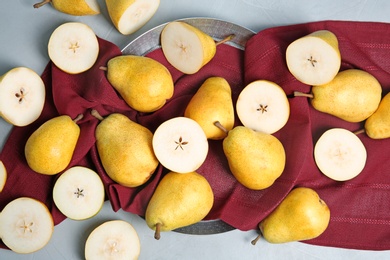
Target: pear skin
<point>377,126</point>
<point>353,95</point>
<point>145,84</point>
<point>302,215</point>
<point>178,201</point>
<point>125,150</point>
<point>256,159</point>
<point>212,102</point>
<point>50,148</point>
<point>72,7</point>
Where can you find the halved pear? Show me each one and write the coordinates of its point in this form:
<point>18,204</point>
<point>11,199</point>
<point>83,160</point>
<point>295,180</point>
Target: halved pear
<point>340,154</point>
<point>130,15</point>
<point>22,96</point>
<point>73,47</point>
<point>314,59</point>
<point>26,225</point>
<point>186,47</point>
<point>73,7</point>
<point>79,193</point>
<point>263,106</point>
<point>180,144</point>
<point>114,239</point>
<point>3,175</point>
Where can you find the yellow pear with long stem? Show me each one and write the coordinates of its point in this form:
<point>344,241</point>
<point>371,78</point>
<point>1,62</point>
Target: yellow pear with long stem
<point>73,7</point>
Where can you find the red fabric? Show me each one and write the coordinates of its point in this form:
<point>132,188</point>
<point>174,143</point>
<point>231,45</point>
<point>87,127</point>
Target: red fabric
<point>359,208</point>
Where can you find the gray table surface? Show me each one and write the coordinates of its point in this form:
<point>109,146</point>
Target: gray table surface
<point>24,35</point>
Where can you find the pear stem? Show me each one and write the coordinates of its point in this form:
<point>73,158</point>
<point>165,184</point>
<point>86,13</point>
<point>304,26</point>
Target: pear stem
<point>254,241</point>
<point>78,118</point>
<point>157,233</point>
<point>361,131</point>
<point>103,68</point>
<point>220,126</point>
<point>96,114</point>
<point>37,5</point>
<point>301,94</point>
<point>226,39</point>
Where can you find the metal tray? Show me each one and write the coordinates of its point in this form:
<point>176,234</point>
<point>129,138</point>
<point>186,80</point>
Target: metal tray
<point>218,29</point>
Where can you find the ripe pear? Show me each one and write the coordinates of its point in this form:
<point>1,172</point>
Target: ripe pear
<point>179,200</point>
<point>377,126</point>
<point>130,15</point>
<point>314,59</point>
<point>256,159</point>
<point>125,149</point>
<point>353,95</point>
<point>50,148</point>
<point>144,83</point>
<point>73,7</point>
<point>212,102</point>
<point>302,215</point>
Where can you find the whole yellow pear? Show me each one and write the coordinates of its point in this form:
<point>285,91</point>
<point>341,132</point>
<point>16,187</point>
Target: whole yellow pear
<point>179,200</point>
<point>256,159</point>
<point>377,126</point>
<point>50,148</point>
<point>212,102</point>
<point>353,95</point>
<point>125,150</point>
<point>73,7</point>
<point>302,215</point>
<point>144,83</point>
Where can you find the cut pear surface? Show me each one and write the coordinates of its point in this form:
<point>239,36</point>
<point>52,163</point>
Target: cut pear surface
<point>22,96</point>
<point>73,47</point>
<point>3,175</point>
<point>180,144</point>
<point>114,239</point>
<point>26,225</point>
<point>186,47</point>
<point>263,106</point>
<point>79,193</point>
<point>314,59</point>
<point>340,154</point>
<point>128,16</point>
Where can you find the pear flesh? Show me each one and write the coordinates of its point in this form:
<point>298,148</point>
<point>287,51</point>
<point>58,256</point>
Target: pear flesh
<point>144,83</point>
<point>178,201</point>
<point>186,47</point>
<point>50,148</point>
<point>340,154</point>
<point>3,176</point>
<point>353,95</point>
<point>302,215</point>
<point>256,159</point>
<point>263,106</point>
<point>125,150</point>
<point>73,7</point>
<point>377,126</point>
<point>130,15</point>
<point>26,225</point>
<point>79,193</point>
<point>114,239</point>
<point>315,58</point>
<point>212,102</point>
<point>22,96</point>
<point>73,47</point>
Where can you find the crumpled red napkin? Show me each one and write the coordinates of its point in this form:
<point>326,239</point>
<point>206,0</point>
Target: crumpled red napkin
<point>359,208</point>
